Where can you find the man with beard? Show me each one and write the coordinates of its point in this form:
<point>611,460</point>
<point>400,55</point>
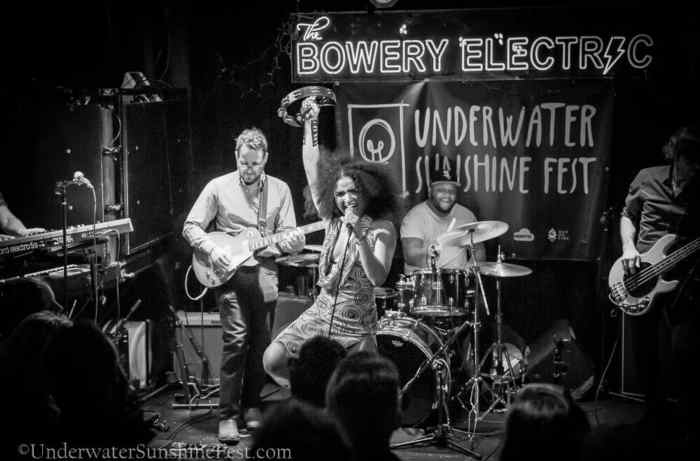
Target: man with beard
<point>233,203</point>
<point>425,222</point>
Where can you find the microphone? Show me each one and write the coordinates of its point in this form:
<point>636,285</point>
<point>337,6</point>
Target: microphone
<point>434,254</point>
<point>348,210</point>
<point>80,179</point>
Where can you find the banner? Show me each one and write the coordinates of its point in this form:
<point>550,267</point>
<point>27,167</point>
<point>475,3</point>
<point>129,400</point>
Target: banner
<point>533,154</point>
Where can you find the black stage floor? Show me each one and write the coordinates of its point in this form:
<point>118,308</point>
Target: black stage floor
<point>615,418</point>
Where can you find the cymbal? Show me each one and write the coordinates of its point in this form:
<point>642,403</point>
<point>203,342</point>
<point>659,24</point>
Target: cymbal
<point>476,232</point>
<point>317,248</point>
<point>300,260</point>
<point>502,270</point>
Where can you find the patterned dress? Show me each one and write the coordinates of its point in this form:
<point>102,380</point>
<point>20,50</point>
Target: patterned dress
<point>355,314</point>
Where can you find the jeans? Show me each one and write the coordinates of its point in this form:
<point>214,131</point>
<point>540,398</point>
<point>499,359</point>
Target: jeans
<point>246,321</point>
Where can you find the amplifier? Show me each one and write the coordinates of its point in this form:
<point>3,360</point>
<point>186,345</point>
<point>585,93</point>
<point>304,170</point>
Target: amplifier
<point>204,330</point>
<point>198,332</point>
<point>289,307</point>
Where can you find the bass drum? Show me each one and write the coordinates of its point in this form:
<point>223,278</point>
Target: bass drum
<point>408,343</point>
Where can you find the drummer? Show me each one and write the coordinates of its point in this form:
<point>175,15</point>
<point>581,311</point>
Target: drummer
<point>425,222</point>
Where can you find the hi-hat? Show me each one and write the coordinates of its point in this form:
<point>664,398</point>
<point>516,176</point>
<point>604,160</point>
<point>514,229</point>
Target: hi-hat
<point>300,260</point>
<point>501,269</point>
<point>475,232</point>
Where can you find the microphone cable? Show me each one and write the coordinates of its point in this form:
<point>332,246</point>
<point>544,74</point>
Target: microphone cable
<point>340,277</point>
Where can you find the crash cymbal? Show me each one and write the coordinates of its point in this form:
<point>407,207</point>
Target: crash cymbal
<point>476,232</point>
<point>501,269</point>
<point>316,248</point>
<point>300,260</point>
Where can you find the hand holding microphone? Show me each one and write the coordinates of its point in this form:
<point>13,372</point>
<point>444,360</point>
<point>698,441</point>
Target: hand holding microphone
<point>351,218</point>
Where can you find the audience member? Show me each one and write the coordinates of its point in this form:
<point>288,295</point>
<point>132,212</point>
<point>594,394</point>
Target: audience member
<point>544,423</point>
<point>298,431</point>
<point>363,394</point>
<point>91,389</point>
<point>22,297</point>
<point>32,416</point>
<point>309,374</point>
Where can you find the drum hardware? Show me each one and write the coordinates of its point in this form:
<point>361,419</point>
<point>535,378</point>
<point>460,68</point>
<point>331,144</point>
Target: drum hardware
<point>304,260</point>
<point>503,376</point>
<point>443,433</point>
<point>476,232</point>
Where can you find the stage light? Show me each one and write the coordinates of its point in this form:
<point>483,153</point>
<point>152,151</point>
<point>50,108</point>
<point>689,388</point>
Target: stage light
<point>383,3</point>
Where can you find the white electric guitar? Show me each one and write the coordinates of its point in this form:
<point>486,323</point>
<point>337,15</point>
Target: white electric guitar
<point>634,294</point>
<point>240,249</point>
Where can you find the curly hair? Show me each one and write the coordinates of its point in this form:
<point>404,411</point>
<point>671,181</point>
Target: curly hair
<point>373,182</point>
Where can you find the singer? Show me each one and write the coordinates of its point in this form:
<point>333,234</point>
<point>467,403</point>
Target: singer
<point>357,201</point>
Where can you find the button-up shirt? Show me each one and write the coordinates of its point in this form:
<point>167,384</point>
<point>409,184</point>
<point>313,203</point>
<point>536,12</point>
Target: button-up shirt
<point>654,208</point>
<point>229,206</point>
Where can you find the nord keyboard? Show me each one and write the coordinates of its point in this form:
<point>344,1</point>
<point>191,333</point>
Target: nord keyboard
<point>75,235</point>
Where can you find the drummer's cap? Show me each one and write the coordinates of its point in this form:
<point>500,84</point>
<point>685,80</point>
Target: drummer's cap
<point>446,174</point>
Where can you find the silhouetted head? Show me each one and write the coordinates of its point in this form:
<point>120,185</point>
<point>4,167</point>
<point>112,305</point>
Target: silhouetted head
<point>363,393</point>
<point>309,374</point>
<point>295,430</point>
<point>543,423</point>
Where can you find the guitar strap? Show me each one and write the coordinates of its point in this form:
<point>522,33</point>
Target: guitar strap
<point>262,208</point>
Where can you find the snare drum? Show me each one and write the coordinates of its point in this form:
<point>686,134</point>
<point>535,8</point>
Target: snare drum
<point>386,299</point>
<point>408,342</point>
<point>444,293</point>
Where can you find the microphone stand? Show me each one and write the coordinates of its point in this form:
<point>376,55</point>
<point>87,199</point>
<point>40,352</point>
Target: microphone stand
<point>60,190</point>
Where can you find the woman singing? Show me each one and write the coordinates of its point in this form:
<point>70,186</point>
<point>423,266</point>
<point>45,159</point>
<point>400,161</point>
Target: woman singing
<point>356,199</point>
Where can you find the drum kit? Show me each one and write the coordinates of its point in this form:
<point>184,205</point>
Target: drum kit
<point>429,327</point>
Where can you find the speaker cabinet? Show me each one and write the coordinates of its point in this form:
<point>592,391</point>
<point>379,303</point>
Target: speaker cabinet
<point>49,142</point>
<point>556,357</point>
<point>203,332</point>
<point>289,307</point>
<point>198,333</point>
<point>630,382</point>
<point>156,156</point>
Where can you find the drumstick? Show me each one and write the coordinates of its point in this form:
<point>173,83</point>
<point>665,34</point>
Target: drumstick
<point>452,223</point>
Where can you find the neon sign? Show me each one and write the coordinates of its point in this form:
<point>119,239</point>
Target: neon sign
<point>321,51</point>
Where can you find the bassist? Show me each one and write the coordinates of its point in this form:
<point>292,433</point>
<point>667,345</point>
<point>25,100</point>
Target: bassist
<point>665,200</point>
<point>232,203</point>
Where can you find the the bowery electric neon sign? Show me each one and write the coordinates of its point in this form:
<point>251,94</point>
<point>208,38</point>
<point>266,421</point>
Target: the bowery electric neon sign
<point>317,56</point>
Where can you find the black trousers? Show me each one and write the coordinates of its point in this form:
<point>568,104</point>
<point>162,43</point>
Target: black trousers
<point>246,321</point>
<point>666,356</point>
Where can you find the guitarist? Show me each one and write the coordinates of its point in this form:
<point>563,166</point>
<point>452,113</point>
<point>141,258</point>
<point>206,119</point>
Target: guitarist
<point>662,200</point>
<point>243,199</point>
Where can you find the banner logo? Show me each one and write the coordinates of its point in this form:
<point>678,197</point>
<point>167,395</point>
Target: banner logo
<point>374,152</point>
<point>376,133</point>
<point>523,235</point>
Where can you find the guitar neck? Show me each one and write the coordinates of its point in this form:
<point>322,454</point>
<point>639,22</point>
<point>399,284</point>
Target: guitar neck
<point>679,255</point>
<point>262,242</point>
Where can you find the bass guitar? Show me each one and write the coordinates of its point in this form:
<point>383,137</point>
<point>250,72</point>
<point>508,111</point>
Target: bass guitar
<point>634,294</point>
<point>240,249</point>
